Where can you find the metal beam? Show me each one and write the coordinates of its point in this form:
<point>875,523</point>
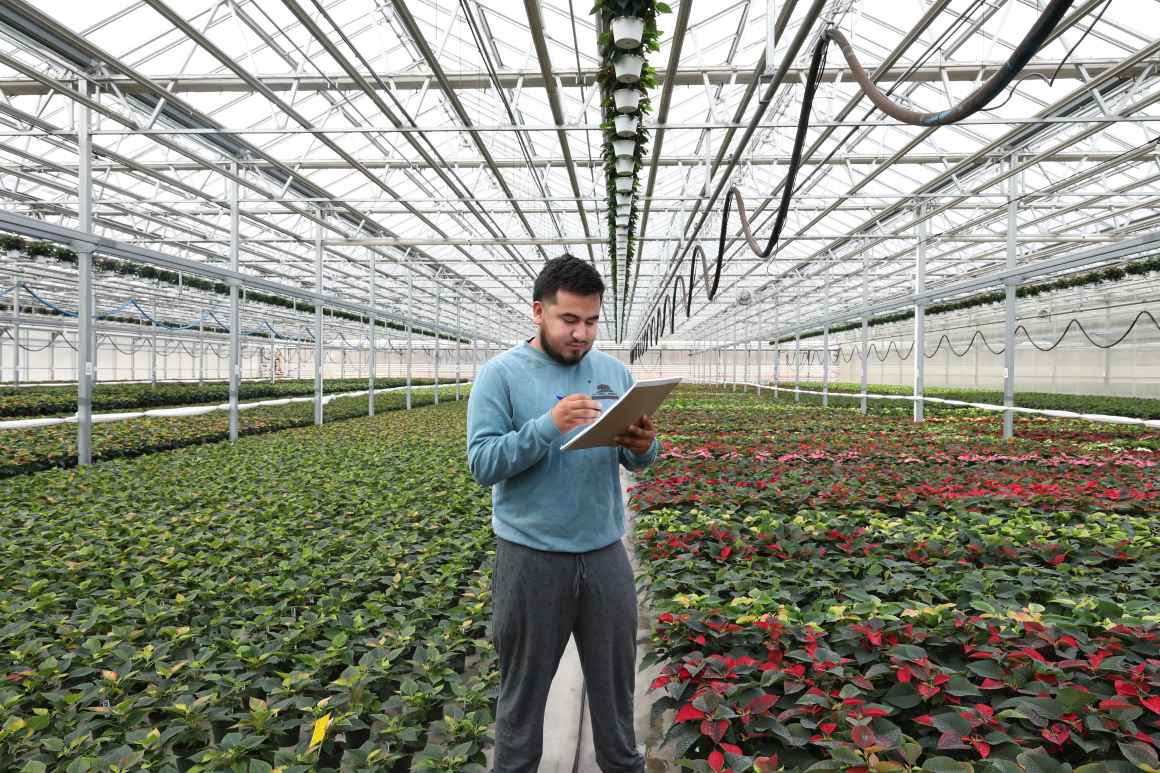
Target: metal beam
<point>412,80</point>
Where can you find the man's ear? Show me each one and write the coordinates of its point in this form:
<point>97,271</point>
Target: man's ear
<point>537,312</point>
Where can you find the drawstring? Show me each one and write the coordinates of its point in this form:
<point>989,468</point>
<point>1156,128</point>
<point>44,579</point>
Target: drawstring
<point>581,573</point>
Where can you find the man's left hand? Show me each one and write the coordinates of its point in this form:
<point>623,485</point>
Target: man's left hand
<point>639,437</point>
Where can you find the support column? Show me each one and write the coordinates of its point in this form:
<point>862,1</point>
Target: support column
<point>373,364</point>
<point>86,370</point>
<point>865,333</point>
<point>153,338</point>
<point>438,323</point>
<point>235,371</point>
<point>1010,286</point>
<point>919,315</point>
<point>826,365</point>
<point>16,328</point>
<point>201,348</point>
<point>410,330</point>
<point>458,347</point>
<point>318,322</point>
<point>745,378</point>
<point>797,366</point>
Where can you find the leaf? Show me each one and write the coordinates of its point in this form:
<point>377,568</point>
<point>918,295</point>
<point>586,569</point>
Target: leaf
<point>1139,754</point>
<point>319,733</point>
<point>946,765</point>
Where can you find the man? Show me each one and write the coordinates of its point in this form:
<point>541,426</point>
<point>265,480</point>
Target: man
<point>560,568</point>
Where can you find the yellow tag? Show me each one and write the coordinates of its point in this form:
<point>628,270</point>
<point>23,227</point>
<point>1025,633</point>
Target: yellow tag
<point>320,726</point>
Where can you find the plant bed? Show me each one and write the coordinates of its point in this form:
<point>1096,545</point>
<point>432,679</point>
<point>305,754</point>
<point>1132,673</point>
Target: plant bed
<point>246,606</point>
<point>836,592</point>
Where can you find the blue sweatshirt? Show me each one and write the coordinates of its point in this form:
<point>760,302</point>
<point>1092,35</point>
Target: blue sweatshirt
<point>543,497</point>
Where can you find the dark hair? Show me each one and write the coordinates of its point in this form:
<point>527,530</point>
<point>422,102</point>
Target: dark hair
<point>566,272</point>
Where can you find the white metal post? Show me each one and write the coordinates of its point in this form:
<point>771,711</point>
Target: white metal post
<point>797,366</point>
<point>373,363</point>
<point>919,314</point>
<point>85,350</point>
<point>318,417</point>
<point>201,348</point>
<point>458,348</point>
<point>826,365</point>
<point>16,328</point>
<point>410,330</point>
<point>438,322</point>
<point>235,306</point>
<point>153,335</point>
<point>865,333</point>
<point>1010,286</point>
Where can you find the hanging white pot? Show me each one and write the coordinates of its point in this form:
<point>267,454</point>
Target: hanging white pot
<point>626,125</point>
<point>627,31</point>
<point>622,148</point>
<point>623,213</point>
<point>623,199</point>
<point>628,67</point>
<point>625,165</point>
<point>627,100</point>
<point>624,184</point>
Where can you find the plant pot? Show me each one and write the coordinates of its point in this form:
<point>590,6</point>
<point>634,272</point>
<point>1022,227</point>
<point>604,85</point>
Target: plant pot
<point>623,199</point>
<point>624,184</point>
<point>624,148</point>
<point>626,125</point>
<point>627,31</point>
<point>628,67</point>
<point>625,166</point>
<point>627,100</point>
<point>623,214</point>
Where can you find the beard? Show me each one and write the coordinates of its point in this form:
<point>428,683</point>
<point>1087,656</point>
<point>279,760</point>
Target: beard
<point>561,356</point>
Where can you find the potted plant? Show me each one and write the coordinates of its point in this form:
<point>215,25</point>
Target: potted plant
<point>623,199</point>
<point>625,166</point>
<point>626,125</point>
<point>623,148</point>
<point>627,31</point>
<point>627,100</point>
<point>624,184</point>
<point>628,67</point>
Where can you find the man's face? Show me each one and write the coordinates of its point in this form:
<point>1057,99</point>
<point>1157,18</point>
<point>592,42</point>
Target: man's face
<point>567,325</point>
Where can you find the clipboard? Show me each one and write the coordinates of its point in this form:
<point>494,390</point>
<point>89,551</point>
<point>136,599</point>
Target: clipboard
<point>643,397</point>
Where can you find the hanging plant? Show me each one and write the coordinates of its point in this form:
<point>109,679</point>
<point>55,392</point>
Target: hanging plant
<point>625,78</point>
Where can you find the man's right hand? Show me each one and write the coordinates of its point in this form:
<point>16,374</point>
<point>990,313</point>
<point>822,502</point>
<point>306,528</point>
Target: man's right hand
<point>575,411</point>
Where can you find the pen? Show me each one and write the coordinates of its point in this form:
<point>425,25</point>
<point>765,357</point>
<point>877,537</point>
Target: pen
<point>559,396</point>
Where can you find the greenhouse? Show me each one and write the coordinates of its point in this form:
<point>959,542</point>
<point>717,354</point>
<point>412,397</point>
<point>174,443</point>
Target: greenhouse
<point>436,385</point>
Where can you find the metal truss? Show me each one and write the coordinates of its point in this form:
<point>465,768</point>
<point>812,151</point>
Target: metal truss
<point>450,148</point>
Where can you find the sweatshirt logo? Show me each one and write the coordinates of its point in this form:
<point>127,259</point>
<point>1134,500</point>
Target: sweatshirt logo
<point>604,392</point>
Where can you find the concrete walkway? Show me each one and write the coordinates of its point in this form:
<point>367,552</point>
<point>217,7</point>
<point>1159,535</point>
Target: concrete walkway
<point>568,744</point>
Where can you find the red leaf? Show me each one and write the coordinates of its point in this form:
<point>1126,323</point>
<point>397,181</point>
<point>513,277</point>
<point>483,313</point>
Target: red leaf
<point>765,764</point>
<point>761,704</point>
<point>1114,704</point>
<point>1056,734</point>
<point>714,729</point>
<point>828,728</point>
<point>716,760</point>
<point>905,674</point>
<point>689,713</point>
<point>660,681</point>
<point>1152,703</point>
<point>732,749</point>
<point>982,747</point>
<point>864,736</point>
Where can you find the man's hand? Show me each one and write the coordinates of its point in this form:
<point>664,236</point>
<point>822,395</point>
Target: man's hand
<point>575,411</point>
<point>638,438</point>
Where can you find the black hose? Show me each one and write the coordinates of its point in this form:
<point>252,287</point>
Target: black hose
<point>986,92</point>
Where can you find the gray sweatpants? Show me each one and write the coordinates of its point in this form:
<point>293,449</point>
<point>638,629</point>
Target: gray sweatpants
<point>539,599</point>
